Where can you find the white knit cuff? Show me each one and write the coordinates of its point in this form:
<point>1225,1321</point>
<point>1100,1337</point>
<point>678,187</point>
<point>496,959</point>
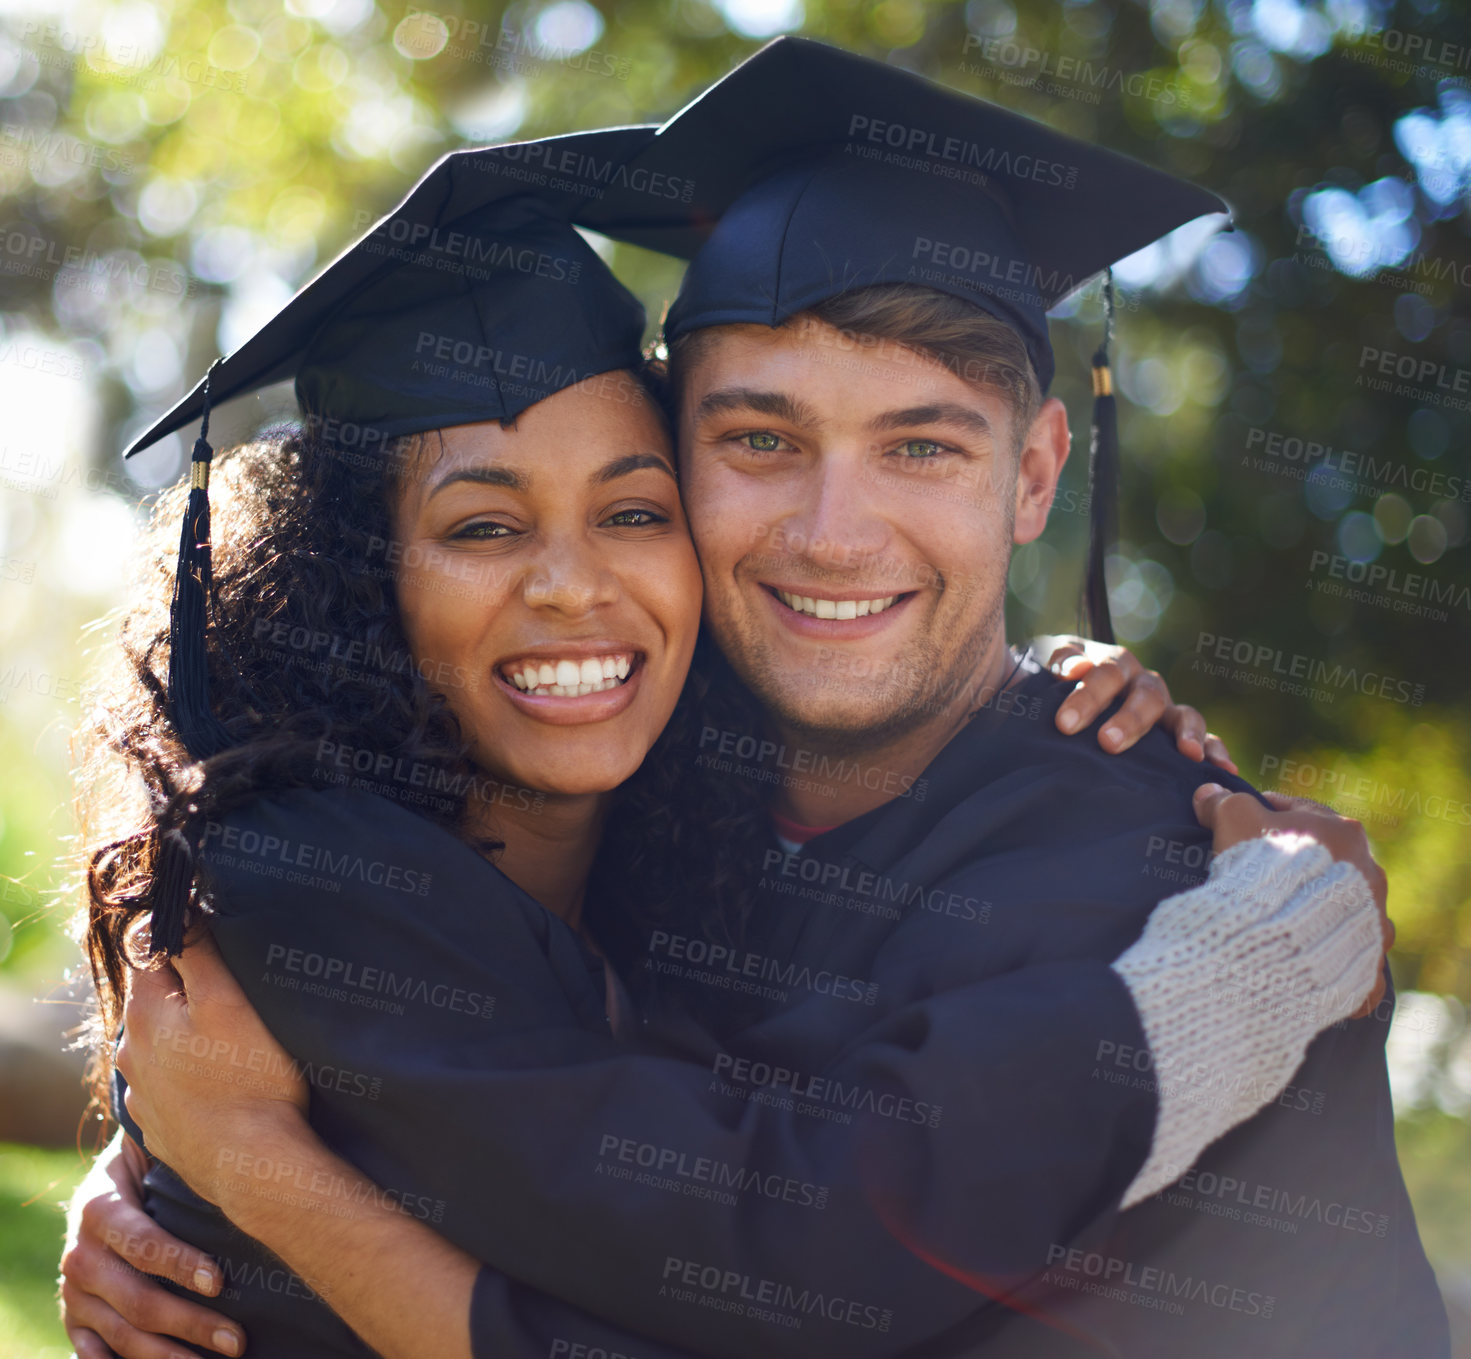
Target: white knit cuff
<point>1234,979</point>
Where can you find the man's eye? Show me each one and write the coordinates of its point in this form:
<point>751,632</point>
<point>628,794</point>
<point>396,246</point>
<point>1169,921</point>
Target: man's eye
<point>762,441</point>
<point>635,519</point>
<point>920,448</point>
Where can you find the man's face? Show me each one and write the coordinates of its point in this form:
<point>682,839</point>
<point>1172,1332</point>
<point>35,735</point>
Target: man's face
<point>854,512</point>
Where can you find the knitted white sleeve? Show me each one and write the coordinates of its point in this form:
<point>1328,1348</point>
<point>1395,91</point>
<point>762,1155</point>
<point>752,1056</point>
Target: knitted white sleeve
<point>1234,979</point>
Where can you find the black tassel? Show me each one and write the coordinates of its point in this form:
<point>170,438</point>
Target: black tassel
<point>198,728</point>
<point>1103,477</point>
<point>173,877</point>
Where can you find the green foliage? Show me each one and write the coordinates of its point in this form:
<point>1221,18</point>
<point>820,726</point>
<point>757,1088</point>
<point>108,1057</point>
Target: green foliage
<point>33,1187</point>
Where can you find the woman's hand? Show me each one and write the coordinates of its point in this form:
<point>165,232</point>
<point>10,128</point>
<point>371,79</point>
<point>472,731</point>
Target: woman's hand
<point>108,1304</point>
<point>1103,673</point>
<point>1235,817</point>
<point>205,1076</point>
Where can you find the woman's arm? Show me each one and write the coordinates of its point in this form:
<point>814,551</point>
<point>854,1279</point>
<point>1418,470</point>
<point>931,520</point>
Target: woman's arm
<point>653,1246</point>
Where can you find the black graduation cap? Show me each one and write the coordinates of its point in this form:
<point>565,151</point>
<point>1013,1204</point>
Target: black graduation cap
<point>472,300</point>
<point>817,171</point>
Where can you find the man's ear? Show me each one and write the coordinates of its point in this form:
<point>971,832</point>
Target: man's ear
<point>1043,457</point>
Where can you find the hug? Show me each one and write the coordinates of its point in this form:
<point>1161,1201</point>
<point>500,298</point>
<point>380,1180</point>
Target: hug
<point>591,873</point>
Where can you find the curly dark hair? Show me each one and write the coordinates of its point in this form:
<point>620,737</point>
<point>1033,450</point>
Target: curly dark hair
<point>305,646</point>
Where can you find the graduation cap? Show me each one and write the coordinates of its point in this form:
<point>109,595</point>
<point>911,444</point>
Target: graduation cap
<point>817,171</point>
<point>472,300</point>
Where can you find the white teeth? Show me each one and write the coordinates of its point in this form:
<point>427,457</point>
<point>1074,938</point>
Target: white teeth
<point>570,679</point>
<point>840,609</point>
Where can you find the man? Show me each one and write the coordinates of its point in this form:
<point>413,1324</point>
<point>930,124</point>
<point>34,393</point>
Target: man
<point>789,466</point>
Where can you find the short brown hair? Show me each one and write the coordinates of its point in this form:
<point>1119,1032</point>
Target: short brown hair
<point>974,345</point>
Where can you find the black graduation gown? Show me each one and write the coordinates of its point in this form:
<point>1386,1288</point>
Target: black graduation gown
<point>433,1002</point>
<point>1032,860</point>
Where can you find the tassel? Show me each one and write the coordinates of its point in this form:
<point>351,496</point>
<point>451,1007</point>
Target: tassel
<point>1103,478</point>
<point>198,728</point>
<point>173,877</point>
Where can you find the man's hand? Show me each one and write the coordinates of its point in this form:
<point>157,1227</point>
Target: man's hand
<point>109,1306</point>
<point>1103,673</point>
<point>1234,817</point>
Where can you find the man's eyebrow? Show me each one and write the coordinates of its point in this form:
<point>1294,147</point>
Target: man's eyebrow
<point>778,404</point>
<point>936,413</point>
<point>486,475</point>
<point>632,462</point>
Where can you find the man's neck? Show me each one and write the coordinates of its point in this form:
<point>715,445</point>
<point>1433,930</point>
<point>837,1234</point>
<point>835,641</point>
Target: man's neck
<point>828,794</point>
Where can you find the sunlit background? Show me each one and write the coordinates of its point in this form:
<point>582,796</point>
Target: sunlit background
<point>170,175</point>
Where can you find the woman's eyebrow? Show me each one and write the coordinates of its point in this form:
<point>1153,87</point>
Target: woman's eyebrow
<point>632,462</point>
<point>485,476</point>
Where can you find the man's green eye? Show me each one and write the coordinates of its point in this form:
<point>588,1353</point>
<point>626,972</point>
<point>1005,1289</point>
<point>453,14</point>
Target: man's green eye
<point>919,448</point>
<point>762,442</point>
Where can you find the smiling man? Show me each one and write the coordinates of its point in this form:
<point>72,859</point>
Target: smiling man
<point>970,1014</point>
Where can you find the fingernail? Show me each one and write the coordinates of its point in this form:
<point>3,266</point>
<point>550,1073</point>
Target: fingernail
<point>226,1341</point>
<point>1209,790</point>
<point>1067,719</point>
<point>1112,735</point>
<point>204,1280</point>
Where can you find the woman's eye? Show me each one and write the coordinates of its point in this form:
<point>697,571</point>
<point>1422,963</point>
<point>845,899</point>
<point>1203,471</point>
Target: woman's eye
<point>483,531</point>
<point>920,448</point>
<point>762,441</point>
<point>635,519</point>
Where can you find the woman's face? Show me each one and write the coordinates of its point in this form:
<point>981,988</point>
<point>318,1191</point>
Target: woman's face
<point>548,586</point>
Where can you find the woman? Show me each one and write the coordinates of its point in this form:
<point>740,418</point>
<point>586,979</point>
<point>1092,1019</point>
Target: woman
<point>564,522</point>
